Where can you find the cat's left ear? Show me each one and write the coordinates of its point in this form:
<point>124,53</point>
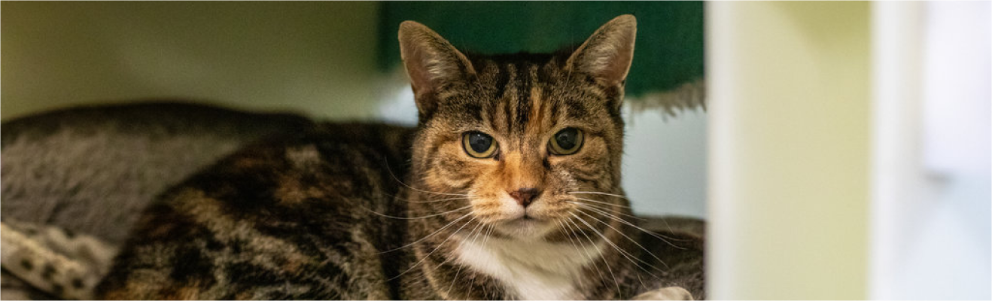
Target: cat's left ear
<point>607,54</point>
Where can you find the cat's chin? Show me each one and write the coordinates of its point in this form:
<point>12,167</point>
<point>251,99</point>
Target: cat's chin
<point>525,228</point>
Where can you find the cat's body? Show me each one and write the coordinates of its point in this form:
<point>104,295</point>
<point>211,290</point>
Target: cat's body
<point>509,188</point>
<point>282,219</point>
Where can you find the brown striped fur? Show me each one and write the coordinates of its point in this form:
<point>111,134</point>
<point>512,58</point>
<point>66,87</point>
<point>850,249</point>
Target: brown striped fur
<point>379,212</point>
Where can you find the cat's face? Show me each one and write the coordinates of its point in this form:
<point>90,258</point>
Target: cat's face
<point>527,144</point>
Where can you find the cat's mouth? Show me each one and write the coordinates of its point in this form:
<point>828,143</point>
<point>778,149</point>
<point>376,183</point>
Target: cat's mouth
<point>525,227</point>
<point>527,219</point>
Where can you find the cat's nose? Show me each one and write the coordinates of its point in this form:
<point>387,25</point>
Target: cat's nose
<point>525,196</point>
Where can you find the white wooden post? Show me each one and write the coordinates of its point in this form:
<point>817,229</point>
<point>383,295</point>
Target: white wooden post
<point>789,119</point>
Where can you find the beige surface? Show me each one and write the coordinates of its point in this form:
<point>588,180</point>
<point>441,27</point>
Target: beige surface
<point>789,149</point>
<point>318,57</point>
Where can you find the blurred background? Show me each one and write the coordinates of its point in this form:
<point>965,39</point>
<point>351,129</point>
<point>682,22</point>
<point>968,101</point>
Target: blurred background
<point>340,61</point>
<point>836,150</point>
<point>849,147</point>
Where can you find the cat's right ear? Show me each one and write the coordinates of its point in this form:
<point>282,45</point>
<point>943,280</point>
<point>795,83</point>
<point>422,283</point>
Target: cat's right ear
<point>607,54</point>
<point>431,62</point>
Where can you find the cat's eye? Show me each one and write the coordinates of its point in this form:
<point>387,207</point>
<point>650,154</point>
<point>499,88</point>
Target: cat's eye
<point>566,142</point>
<point>479,145</point>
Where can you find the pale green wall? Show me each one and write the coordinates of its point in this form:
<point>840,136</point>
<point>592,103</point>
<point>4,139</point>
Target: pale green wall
<point>789,128</point>
<point>316,57</point>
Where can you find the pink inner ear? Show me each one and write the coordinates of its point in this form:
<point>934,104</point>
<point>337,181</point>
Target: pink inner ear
<point>612,66</point>
<point>411,45</point>
<point>429,59</point>
<point>420,77</point>
<point>607,54</point>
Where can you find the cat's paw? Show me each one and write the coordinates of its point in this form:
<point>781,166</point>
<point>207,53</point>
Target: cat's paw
<point>665,293</point>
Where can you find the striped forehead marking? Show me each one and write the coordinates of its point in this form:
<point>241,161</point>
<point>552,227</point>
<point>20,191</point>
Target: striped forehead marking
<point>536,111</point>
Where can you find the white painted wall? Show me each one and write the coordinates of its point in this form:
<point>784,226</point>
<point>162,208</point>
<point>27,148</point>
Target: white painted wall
<point>931,208</point>
<point>664,164</point>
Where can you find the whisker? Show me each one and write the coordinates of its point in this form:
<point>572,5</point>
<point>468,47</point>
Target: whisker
<point>418,217</point>
<point>489,233</point>
<point>432,234</point>
<point>628,238</point>
<point>599,193</point>
<point>649,232</point>
<point>667,225</point>
<point>605,239</point>
<point>432,251</point>
<point>436,201</point>
<point>607,208</point>
<point>598,202</point>
<point>415,189</point>
<point>606,262</point>
<point>601,202</point>
<point>586,251</point>
<point>453,279</point>
<point>623,253</point>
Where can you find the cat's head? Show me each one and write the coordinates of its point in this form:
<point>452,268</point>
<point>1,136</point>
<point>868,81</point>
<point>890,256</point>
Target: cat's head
<point>526,143</point>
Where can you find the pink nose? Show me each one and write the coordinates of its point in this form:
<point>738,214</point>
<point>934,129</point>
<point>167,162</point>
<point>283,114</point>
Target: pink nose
<point>525,196</point>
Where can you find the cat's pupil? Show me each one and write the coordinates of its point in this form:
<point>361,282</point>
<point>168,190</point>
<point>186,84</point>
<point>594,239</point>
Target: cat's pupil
<point>479,142</point>
<point>567,138</point>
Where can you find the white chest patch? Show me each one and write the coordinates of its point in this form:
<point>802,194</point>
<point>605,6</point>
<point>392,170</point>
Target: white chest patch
<point>531,269</point>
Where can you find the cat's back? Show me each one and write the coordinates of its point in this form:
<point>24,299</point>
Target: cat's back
<point>301,216</point>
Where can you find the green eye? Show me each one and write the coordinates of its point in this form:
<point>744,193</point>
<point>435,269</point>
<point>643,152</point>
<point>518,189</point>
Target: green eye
<point>479,145</point>
<point>566,142</point>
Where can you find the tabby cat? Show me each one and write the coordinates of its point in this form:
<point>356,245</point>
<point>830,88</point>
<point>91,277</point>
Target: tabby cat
<point>508,188</point>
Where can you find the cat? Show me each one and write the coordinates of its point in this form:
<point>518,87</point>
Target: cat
<point>63,167</point>
<point>508,188</point>
<point>58,165</point>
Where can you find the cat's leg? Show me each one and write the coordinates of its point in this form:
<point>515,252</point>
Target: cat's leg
<point>665,293</point>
